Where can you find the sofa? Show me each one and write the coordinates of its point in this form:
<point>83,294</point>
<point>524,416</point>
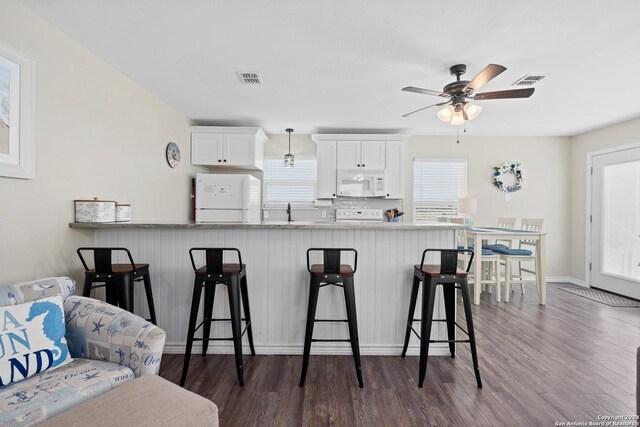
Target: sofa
<point>110,347</point>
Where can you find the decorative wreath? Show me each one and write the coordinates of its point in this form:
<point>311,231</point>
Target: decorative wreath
<point>515,169</point>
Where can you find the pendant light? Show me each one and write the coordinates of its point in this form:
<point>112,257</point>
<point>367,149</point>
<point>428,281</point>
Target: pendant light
<point>288,158</point>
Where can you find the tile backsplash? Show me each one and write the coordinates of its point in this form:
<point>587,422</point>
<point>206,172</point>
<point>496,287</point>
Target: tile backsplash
<point>328,213</point>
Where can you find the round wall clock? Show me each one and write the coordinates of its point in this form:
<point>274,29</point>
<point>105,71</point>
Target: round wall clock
<point>173,154</point>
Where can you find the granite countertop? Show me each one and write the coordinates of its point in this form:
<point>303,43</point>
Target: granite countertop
<point>274,225</point>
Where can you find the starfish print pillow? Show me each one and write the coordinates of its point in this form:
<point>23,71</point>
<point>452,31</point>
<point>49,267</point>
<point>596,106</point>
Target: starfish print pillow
<point>32,339</point>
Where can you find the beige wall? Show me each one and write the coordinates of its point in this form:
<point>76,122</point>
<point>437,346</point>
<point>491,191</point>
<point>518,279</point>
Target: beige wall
<point>546,192</point>
<point>620,134</point>
<point>97,133</point>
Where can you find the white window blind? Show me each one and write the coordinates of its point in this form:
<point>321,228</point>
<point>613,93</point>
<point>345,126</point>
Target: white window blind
<point>296,185</point>
<point>437,186</point>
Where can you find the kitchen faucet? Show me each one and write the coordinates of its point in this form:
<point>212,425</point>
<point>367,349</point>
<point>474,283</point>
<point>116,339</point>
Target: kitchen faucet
<point>289,213</point>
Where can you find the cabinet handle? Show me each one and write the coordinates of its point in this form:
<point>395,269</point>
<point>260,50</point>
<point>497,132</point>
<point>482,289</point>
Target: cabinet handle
<point>363,165</point>
<point>387,194</point>
<point>224,160</point>
<point>358,165</point>
<point>334,195</point>
<point>219,160</point>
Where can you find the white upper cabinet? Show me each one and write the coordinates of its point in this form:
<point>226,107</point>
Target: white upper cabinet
<point>228,147</point>
<point>326,186</point>
<point>372,155</point>
<point>361,155</point>
<point>394,172</point>
<point>360,152</point>
<point>348,154</point>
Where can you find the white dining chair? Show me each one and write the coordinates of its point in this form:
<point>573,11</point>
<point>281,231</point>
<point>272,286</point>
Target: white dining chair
<point>506,223</point>
<point>490,262</point>
<point>524,253</point>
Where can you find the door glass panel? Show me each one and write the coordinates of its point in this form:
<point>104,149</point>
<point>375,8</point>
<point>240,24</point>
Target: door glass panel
<point>621,220</point>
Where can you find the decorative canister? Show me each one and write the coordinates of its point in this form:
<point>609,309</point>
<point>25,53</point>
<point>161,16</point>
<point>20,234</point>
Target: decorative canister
<point>123,212</point>
<point>95,210</point>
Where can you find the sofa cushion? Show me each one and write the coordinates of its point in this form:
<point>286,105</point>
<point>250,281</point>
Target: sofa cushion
<point>52,392</point>
<point>146,401</point>
<point>31,339</point>
<point>17,293</point>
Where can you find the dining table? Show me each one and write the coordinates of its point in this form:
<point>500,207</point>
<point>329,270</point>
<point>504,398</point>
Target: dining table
<point>480,235</point>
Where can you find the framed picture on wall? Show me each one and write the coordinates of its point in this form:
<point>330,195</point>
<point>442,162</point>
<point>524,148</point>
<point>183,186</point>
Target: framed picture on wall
<point>17,150</point>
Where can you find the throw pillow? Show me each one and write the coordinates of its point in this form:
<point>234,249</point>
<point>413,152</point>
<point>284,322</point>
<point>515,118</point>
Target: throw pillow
<point>31,339</point>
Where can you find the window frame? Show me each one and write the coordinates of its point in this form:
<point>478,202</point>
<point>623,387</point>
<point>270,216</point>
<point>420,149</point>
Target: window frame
<point>283,204</point>
<point>448,208</point>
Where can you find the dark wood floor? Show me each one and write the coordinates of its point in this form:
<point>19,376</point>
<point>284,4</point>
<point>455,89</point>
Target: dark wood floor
<point>569,361</point>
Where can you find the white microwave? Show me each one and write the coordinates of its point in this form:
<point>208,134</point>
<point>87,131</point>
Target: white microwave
<point>361,183</point>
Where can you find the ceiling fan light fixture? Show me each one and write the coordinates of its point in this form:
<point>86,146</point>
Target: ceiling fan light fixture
<point>472,110</point>
<point>457,118</point>
<point>446,113</point>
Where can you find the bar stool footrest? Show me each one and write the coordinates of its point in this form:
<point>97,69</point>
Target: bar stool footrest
<point>328,340</point>
<point>330,320</point>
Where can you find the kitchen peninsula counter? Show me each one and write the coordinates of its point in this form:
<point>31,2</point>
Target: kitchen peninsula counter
<point>278,281</point>
<point>273,225</point>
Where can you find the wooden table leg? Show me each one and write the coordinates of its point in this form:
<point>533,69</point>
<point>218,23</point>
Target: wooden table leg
<point>477,268</point>
<point>540,271</point>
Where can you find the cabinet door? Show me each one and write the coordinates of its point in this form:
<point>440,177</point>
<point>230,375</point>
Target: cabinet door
<point>238,150</point>
<point>394,172</point>
<point>373,155</point>
<point>206,148</point>
<point>348,154</point>
<point>326,188</point>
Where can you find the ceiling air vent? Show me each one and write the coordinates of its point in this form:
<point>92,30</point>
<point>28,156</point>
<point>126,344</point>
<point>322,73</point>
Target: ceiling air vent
<point>528,80</point>
<point>249,78</point>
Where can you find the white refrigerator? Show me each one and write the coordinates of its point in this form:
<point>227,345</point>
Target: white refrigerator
<point>227,198</point>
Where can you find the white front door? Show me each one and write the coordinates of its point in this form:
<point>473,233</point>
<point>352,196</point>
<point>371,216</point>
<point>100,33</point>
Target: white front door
<point>615,229</point>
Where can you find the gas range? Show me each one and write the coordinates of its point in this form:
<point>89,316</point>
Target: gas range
<point>343,215</point>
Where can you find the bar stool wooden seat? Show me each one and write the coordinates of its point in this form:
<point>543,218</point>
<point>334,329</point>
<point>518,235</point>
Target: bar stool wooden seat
<point>333,273</point>
<point>234,276</point>
<point>117,279</point>
<point>451,278</point>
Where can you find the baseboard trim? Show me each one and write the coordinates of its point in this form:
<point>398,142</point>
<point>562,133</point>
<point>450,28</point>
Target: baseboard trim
<point>570,280</point>
<point>436,349</point>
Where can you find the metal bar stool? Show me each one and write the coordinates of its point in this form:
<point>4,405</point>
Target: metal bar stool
<point>335,274</point>
<point>451,278</point>
<point>234,276</point>
<point>117,279</point>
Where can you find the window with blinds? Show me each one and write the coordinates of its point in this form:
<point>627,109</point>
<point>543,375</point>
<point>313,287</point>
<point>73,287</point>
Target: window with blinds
<point>296,185</point>
<point>437,186</point>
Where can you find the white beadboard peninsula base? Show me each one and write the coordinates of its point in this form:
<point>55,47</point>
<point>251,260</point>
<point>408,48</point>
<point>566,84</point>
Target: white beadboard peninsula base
<point>278,284</point>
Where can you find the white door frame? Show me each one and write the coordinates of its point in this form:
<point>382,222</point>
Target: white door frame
<point>588,210</point>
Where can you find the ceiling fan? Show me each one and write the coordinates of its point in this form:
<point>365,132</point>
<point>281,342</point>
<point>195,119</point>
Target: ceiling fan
<point>460,93</point>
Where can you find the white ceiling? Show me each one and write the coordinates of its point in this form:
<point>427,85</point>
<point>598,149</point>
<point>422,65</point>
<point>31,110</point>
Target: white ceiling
<point>338,66</point>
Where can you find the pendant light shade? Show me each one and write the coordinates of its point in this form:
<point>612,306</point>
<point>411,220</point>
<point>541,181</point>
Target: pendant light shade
<point>446,113</point>
<point>457,118</point>
<point>289,158</point>
<point>472,110</point>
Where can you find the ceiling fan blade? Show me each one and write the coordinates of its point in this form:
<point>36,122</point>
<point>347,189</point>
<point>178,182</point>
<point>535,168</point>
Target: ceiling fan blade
<point>505,94</point>
<point>424,91</point>
<point>424,108</point>
<point>490,72</point>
